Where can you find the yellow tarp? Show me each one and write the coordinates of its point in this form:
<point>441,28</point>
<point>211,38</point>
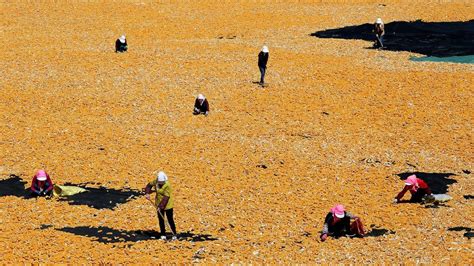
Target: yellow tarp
<point>63,191</point>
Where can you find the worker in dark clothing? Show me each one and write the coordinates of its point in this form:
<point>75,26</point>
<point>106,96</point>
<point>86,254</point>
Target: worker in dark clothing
<point>338,223</point>
<point>41,185</point>
<point>379,29</point>
<point>418,188</point>
<point>201,105</point>
<point>121,44</point>
<point>262,64</point>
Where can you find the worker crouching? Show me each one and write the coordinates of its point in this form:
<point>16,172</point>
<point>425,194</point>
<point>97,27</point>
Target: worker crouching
<point>41,185</point>
<point>201,105</point>
<point>420,191</point>
<point>338,223</point>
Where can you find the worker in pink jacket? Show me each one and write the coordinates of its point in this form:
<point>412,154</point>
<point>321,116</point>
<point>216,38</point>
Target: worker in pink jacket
<point>41,185</point>
<point>418,189</point>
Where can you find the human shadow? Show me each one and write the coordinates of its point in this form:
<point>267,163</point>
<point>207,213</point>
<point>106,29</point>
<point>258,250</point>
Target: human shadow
<point>14,186</point>
<point>260,84</point>
<point>107,235</point>
<point>376,231</point>
<point>435,205</point>
<point>98,198</point>
<point>469,231</point>
<point>440,39</point>
<point>101,197</point>
<point>438,182</point>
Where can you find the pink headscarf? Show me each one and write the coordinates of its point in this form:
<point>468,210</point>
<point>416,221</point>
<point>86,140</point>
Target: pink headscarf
<point>412,181</point>
<point>338,211</point>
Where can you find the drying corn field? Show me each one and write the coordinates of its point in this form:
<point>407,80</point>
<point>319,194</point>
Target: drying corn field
<point>337,122</point>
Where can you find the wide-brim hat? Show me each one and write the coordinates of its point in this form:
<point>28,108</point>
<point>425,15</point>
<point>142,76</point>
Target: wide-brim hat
<point>41,175</point>
<point>338,211</point>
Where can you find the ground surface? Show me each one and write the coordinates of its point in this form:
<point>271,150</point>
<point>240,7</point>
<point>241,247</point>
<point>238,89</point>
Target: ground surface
<point>335,125</point>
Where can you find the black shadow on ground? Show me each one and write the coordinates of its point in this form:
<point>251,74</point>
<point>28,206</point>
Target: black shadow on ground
<point>14,186</point>
<point>440,39</point>
<point>377,231</point>
<point>468,196</point>
<point>101,197</point>
<point>435,205</point>
<point>469,231</point>
<point>107,235</point>
<point>438,182</point>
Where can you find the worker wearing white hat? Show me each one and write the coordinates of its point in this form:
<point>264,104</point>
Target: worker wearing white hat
<point>379,29</point>
<point>201,105</point>
<point>163,202</point>
<point>121,44</point>
<point>262,63</point>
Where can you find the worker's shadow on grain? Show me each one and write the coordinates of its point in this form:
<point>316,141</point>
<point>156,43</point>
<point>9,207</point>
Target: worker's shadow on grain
<point>468,197</point>
<point>469,232</point>
<point>440,39</point>
<point>376,231</point>
<point>107,235</point>
<point>101,197</point>
<point>14,186</point>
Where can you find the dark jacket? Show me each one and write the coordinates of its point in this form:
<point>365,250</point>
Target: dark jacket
<point>262,59</point>
<point>339,228</point>
<point>45,188</point>
<point>120,47</point>
<point>204,107</point>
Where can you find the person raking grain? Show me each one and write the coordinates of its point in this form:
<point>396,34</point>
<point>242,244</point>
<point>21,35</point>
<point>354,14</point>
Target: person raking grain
<point>163,202</point>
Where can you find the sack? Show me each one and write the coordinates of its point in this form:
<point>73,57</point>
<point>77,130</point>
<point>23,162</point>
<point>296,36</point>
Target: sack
<point>357,228</point>
<point>64,191</point>
<point>442,197</point>
<point>436,198</point>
